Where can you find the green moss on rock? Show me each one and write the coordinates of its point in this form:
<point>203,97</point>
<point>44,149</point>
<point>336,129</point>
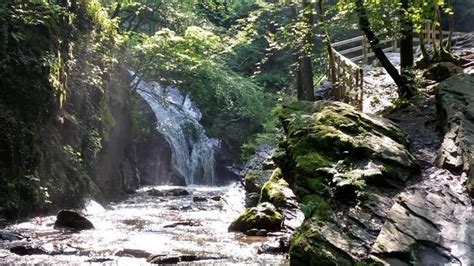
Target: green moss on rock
<point>342,148</point>
<point>276,190</point>
<point>264,216</point>
<point>332,154</point>
<point>308,247</point>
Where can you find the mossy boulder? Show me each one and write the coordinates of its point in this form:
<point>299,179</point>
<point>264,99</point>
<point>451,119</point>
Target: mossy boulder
<point>264,216</point>
<point>337,159</point>
<point>342,148</point>
<point>276,190</point>
<point>255,179</point>
<point>309,247</point>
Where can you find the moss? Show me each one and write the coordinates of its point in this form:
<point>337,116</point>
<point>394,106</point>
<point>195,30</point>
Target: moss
<point>315,185</point>
<point>309,163</point>
<point>308,247</point>
<point>276,190</point>
<point>264,216</point>
<point>315,206</point>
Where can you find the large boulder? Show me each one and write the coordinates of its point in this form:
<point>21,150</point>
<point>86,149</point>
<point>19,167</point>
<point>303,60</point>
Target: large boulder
<point>455,97</point>
<point>277,191</point>
<point>441,71</point>
<point>331,146</point>
<point>70,219</point>
<point>340,163</point>
<point>264,216</point>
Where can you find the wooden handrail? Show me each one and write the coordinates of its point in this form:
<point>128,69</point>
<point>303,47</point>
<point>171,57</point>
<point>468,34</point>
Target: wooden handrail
<point>349,80</point>
<point>350,76</point>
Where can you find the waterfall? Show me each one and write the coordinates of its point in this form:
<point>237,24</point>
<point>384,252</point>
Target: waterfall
<point>178,120</point>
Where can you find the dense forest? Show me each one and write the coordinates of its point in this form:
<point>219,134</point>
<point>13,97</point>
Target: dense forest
<point>345,128</point>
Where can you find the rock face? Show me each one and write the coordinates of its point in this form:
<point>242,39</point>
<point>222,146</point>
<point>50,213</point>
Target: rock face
<point>344,167</point>
<point>72,220</point>
<point>265,185</point>
<point>264,216</point>
<point>456,107</point>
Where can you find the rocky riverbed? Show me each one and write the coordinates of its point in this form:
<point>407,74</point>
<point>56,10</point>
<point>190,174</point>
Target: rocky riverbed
<point>155,225</point>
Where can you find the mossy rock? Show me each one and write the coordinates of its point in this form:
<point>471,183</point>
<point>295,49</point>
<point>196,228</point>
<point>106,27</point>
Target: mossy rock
<point>335,144</point>
<point>308,247</point>
<point>264,216</point>
<point>276,190</point>
<point>255,179</point>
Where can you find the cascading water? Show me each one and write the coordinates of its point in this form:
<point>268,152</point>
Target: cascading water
<point>178,120</point>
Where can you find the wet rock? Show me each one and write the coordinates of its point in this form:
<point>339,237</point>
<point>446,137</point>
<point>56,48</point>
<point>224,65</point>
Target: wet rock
<point>216,198</point>
<point>456,107</point>
<point>184,223</point>
<point>199,199</point>
<point>28,250</point>
<point>175,259</point>
<point>168,193</point>
<point>252,199</point>
<point>281,245</point>
<point>264,216</point>
<point>256,232</point>
<point>72,220</point>
<point>134,253</point>
<point>441,71</point>
<point>10,236</point>
<point>99,260</point>
<point>163,259</point>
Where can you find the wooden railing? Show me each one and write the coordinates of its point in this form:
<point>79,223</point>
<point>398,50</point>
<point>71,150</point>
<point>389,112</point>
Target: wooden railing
<point>349,81</point>
<point>348,54</point>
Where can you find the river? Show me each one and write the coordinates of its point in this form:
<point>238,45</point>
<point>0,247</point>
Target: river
<point>127,232</point>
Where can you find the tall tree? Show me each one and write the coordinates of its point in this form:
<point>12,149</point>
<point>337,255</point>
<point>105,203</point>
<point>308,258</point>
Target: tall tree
<point>305,87</point>
<point>404,90</point>
<point>406,41</point>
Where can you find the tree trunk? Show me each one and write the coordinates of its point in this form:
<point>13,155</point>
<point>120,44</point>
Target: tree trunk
<point>451,26</point>
<point>296,56</point>
<point>406,42</point>
<point>403,90</point>
<point>305,66</point>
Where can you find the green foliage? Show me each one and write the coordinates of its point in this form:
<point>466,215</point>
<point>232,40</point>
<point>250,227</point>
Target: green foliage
<point>315,206</point>
<point>38,40</point>
<point>91,146</point>
<point>193,63</point>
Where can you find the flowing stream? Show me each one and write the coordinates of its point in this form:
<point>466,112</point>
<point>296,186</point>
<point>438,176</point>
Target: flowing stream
<point>127,232</point>
<point>189,227</point>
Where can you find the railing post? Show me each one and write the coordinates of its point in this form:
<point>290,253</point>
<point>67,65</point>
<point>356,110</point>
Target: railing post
<point>394,43</point>
<point>365,52</point>
<point>428,31</point>
<point>361,88</point>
